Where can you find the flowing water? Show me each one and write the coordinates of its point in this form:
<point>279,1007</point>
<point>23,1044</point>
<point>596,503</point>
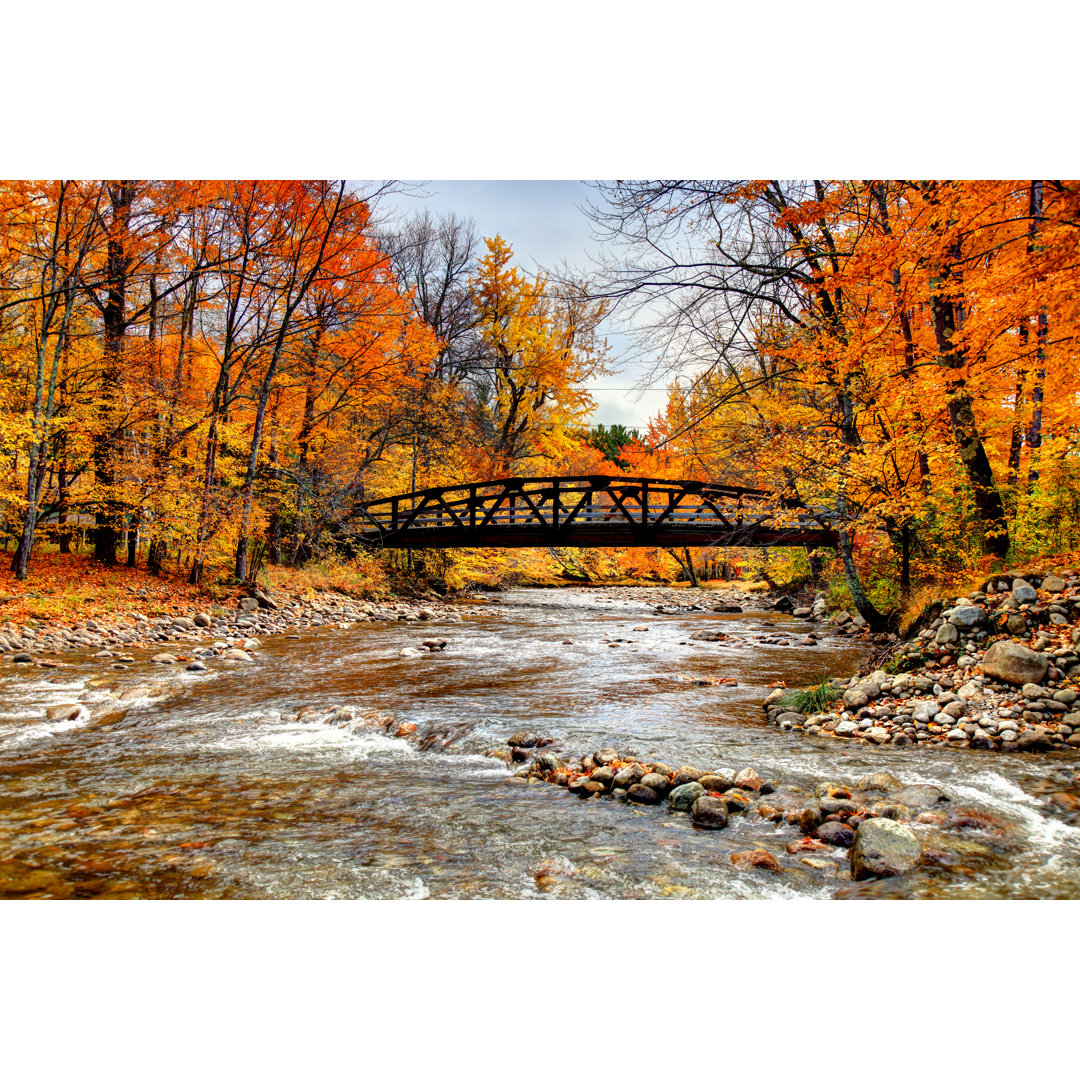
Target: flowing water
<point>211,786</point>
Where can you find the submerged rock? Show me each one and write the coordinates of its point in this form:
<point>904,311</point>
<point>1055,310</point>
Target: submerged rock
<point>758,857</point>
<point>709,813</point>
<point>884,848</point>
<point>684,796</point>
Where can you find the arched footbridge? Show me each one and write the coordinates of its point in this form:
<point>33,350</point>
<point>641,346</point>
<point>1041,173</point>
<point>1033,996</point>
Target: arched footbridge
<point>591,511</point>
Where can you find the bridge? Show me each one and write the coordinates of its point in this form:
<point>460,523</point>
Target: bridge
<point>591,511</point>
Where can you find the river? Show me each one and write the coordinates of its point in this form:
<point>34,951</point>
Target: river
<point>219,790</point>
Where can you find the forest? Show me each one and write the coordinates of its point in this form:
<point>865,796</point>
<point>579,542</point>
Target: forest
<point>211,377</point>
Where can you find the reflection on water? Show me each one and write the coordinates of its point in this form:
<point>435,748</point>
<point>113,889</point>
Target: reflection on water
<point>212,786</point>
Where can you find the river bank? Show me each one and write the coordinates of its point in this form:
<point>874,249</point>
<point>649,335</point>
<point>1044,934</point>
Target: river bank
<point>995,669</point>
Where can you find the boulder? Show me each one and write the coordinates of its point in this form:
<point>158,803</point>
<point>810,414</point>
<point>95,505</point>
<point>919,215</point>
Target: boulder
<point>629,776</point>
<point>709,813</point>
<point>947,634</point>
<point>883,848</point>
<point>1053,584</point>
<point>239,654</point>
<point>966,616</point>
<point>748,780</point>
<point>63,712</point>
<point>686,775</point>
<point>248,603</point>
<point>658,782</point>
<point>758,857</point>
<point>1023,593</point>
<point>720,780</point>
<point>684,796</point>
<point>835,833</point>
<point>164,658</point>
<point>639,793</point>
<point>1014,663</point>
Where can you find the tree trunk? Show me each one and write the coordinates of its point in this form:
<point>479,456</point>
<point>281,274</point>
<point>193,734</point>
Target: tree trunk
<point>118,267</point>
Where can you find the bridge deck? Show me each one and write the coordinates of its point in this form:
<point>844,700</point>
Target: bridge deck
<point>593,511</point>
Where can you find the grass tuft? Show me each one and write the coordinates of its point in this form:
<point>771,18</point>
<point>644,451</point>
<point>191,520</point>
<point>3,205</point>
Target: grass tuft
<point>810,699</point>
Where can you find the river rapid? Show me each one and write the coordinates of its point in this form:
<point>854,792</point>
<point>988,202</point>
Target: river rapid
<point>209,785</point>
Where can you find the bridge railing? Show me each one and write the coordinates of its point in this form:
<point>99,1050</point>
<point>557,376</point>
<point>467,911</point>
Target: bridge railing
<point>559,502</point>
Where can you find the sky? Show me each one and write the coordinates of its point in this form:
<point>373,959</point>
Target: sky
<point>543,222</point>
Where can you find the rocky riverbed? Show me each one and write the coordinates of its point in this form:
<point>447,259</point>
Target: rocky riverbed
<point>364,762</point>
<point>996,669</point>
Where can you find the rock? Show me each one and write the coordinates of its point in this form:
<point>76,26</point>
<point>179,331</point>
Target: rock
<point>523,738</point>
<point>1023,593</point>
<point>409,652</point>
<point>708,635</point>
<point>202,620</point>
<point>720,780</point>
<point>22,658</point>
<point>604,776</point>
<point>883,848</point>
<point>1053,584</point>
<point>709,813</point>
<point>758,857</point>
<point>790,718</point>
<point>684,796</point>
<point>846,728</point>
<point>919,796</point>
<point>433,644</point>
<point>784,603</point>
<point>735,800</point>
<point>196,665</point>
<point>686,775</point>
<point>264,600</point>
<point>163,658</point>
<point>639,793</point>
<point>966,616</point>
<point>239,654</point>
<point>629,776</point>
<point>947,634</point>
<point>855,699</point>
<point>835,833</point>
<point>548,762</point>
<point>248,604</point>
<point>803,612</point>
<point>1014,663</point>
<point>63,712</point>
<point>1035,741</point>
<point>748,780</point>
<point>773,697</point>
<point>878,735</point>
<point>658,782</point>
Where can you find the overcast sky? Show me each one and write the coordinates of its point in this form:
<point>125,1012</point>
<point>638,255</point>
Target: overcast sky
<point>543,223</point>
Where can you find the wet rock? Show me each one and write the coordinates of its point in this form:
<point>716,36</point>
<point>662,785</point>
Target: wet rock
<point>709,813</point>
<point>720,780</point>
<point>408,653</point>
<point>548,762</point>
<point>919,796</point>
<point>759,857</point>
<point>63,712</point>
<point>22,658</point>
<point>835,833</point>
<point>684,796</point>
<point>884,848</point>
<point>748,780</point>
<point>658,782</point>
<point>686,775</point>
<point>808,818</point>
<point>433,644</point>
<point>523,738</point>
<point>879,781</point>
<point>629,776</point>
<point>807,843</point>
<point>1035,741</point>
<point>604,775</point>
<point>892,810</point>
<point>237,654</point>
<point>163,658</point>
<point>639,793</point>
<point>790,718</point>
<point>196,666</point>
<point>838,806</point>
<point>1014,663</point>
<point>708,635</point>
